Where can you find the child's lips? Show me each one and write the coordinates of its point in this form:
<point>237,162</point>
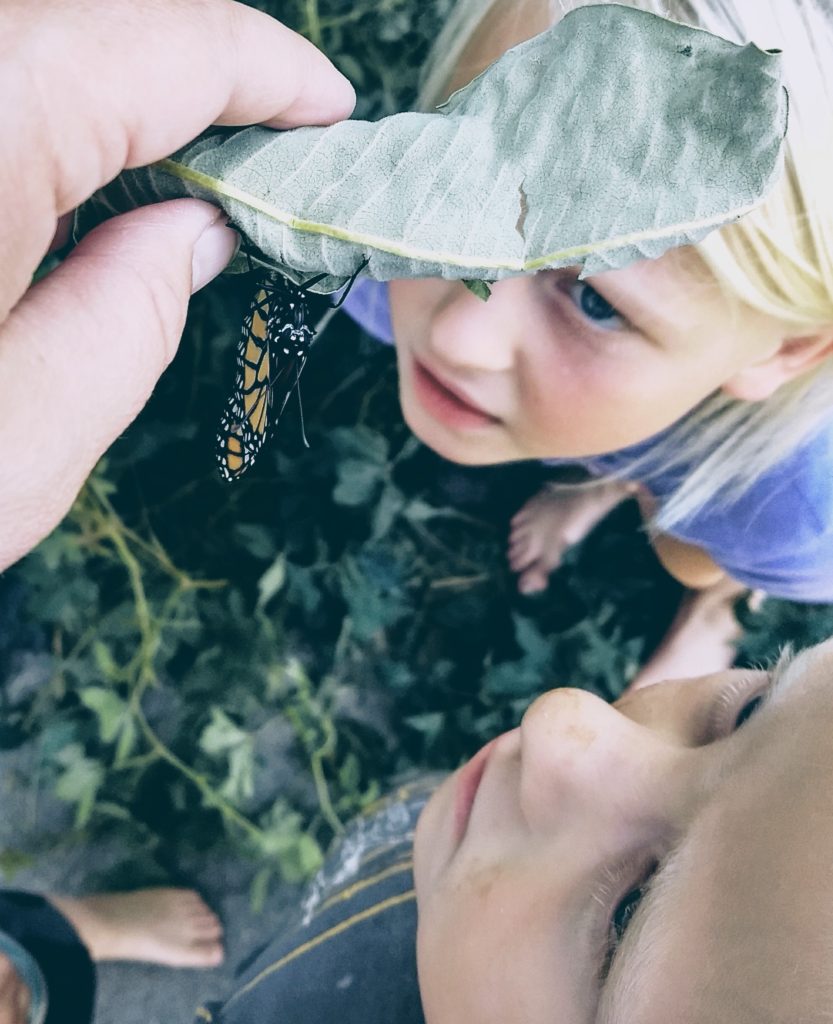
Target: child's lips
<point>447,402</point>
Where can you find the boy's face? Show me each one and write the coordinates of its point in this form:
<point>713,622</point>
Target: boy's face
<point>526,857</point>
<point>551,366</point>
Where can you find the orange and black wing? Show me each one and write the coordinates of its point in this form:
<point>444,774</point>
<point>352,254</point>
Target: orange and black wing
<point>244,424</point>
<point>271,355</point>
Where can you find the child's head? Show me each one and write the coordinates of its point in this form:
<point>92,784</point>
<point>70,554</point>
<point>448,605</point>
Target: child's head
<point>531,859</point>
<point>737,328</point>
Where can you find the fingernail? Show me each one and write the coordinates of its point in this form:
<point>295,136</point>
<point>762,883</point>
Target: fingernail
<point>213,252</point>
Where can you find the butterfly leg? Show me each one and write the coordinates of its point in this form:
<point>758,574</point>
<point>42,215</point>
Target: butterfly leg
<point>350,283</point>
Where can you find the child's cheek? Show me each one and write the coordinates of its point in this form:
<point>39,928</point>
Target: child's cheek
<point>413,303</point>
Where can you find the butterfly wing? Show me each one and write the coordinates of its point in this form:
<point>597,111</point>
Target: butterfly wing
<point>244,424</point>
<point>270,358</point>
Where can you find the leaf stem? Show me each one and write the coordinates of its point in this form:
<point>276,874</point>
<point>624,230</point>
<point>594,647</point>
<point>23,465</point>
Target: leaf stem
<point>210,795</point>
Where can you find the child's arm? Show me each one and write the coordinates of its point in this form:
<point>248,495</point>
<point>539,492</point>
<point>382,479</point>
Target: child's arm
<point>703,634</point>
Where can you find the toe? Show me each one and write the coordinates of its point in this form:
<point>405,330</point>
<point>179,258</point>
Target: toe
<point>215,955</point>
<point>520,529</point>
<point>521,555</point>
<point>524,514</point>
<point>199,954</point>
<point>517,531</point>
<point>209,928</point>
<point>533,581</point>
<point>201,910</point>
<point>517,547</point>
<point>191,898</point>
<point>205,913</point>
<point>208,954</point>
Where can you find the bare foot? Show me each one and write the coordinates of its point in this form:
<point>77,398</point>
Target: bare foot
<point>160,926</point>
<point>701,639</point>
<point>555,519</point>
<point>14,994</point>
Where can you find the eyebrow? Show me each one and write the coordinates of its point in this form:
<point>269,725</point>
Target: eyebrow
<point>660,890</point>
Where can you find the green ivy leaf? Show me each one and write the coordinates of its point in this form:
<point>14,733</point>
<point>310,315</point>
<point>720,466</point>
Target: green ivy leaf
<point>240,784</point>
<point>221,734</point>
<point>511,679</point>
<point>419,511</point>
<point>127,742</point>
<point>390,504</point>
<point>109,708</point>
<point>79,784</point>
<point>430,723</point>
<point>256,539</point>
<point>271,581</point>
<point>357,482</point>
<point>536,647</point>
<point>283,842</point>
<point>479,288</point>
<point>303,587</point>
<point>372,603</point>
<point>361,444</point>
<point>302,860</point>
<point>259,889</point>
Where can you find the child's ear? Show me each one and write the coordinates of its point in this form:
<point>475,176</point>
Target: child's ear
<point>795,356</point>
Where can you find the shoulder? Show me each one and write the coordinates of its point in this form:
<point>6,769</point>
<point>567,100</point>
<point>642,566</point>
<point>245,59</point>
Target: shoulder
<point>368,304</point>
<point>356,931</point>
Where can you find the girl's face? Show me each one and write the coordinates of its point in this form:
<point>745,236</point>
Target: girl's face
<point>551,366</point>
<point>532,860</point>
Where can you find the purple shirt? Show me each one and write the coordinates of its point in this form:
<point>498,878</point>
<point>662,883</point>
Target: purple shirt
<point>777,537</point>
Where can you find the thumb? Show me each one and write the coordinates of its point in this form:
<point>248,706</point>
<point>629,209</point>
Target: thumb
<point>81,353</point>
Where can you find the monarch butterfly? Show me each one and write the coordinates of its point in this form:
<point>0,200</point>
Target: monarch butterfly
<point>271,355</point>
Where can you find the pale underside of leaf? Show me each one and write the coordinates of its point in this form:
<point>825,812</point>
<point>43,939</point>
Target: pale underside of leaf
<point>616,135</point>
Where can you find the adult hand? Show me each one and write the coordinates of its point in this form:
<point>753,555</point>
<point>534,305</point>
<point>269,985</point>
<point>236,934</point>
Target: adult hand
<point>90,88</point>
<point>14,994</point>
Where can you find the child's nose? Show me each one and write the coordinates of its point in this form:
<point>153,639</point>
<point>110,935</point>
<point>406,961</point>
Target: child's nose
<point>581,759</point>
<point>470,333</point>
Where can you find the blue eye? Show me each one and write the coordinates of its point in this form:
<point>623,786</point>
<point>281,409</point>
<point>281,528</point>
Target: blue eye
<point>623,915</point>
<point>595,307</point>
<point>618,925</point>
<point>748,710</point>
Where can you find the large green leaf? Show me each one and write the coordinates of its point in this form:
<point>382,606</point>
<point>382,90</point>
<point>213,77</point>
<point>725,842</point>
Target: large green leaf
<point>613,136</point>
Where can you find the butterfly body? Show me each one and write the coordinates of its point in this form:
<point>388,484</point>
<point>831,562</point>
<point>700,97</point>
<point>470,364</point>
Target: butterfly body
<point>271,355</point>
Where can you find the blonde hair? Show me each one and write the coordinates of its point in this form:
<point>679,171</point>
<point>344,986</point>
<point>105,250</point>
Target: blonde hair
<point>777,259</point>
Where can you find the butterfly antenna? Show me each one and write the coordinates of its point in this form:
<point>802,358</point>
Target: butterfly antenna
<point>301,409</point>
